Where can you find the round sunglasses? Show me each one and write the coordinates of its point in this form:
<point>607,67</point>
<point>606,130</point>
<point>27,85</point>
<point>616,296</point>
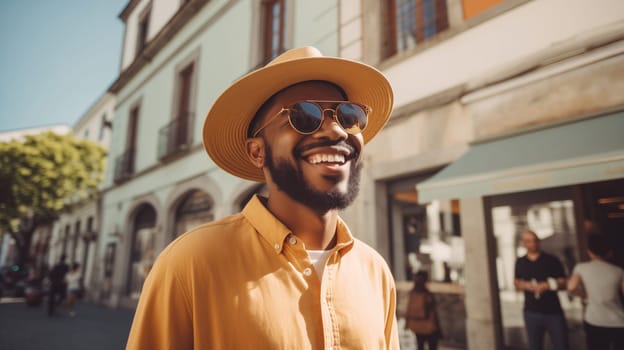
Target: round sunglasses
<point>306,117</point>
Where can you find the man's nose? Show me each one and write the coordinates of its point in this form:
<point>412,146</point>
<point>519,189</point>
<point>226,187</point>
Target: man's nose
<point>331,128</point>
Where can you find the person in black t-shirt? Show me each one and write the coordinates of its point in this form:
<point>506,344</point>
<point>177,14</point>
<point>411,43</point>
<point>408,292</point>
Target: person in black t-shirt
<point>540,275</point>
<point>57,291</point>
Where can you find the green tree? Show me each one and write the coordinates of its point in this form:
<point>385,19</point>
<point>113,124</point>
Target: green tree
<point>40,176</point>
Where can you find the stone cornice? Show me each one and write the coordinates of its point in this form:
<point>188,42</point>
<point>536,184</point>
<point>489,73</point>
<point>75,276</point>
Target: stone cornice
<point>128,9</point>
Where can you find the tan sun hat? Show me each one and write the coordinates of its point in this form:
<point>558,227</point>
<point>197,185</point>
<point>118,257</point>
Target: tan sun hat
<point>225,127</point>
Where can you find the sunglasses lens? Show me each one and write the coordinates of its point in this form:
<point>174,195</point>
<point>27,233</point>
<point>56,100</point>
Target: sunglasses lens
<point>306,117</point>
<point>352,117</point>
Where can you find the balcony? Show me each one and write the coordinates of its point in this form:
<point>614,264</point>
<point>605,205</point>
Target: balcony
<point>124,165</point>
<point>176,136</point>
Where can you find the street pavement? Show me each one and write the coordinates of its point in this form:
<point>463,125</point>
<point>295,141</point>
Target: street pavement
<point>94,327</point>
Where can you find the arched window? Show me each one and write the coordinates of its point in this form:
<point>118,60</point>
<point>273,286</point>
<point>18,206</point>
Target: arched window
<point>195,209</point>
<point>143,251</point>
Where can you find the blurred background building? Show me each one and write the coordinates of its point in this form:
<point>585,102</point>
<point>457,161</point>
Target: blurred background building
<point>77,230</point>
<point>508,114</point>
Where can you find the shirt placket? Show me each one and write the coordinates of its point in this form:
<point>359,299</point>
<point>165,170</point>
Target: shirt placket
<point>328,307</point>
<point>294,251</point>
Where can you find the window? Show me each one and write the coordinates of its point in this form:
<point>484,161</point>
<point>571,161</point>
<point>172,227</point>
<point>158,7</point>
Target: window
<point>273,29</point>
<point>90,224</point>
<point>66,239</point>
<point>178,134</point>
<point>124,164</point>
<point>474,7</point>
<point>195,210</point>
<point>103,124</point>
<point>75,243</point>
<point>412,22</point>
<point>109,259</point>
<point>428,237</point>
<point>133,125</point>
<point>143,250</point>
<point>551,215</point>
<point>143,30</point>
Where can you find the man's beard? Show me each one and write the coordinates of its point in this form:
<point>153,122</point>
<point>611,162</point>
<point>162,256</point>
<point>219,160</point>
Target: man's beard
<point>291,181</point>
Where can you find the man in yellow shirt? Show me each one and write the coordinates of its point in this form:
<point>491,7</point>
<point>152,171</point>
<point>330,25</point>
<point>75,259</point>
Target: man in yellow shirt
<point>286,272</point>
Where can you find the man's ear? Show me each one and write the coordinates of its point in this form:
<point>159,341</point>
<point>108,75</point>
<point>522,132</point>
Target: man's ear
<point>255,151</point>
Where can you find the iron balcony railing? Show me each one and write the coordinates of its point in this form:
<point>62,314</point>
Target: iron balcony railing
<point>124,165</point>
<point>176,136</point>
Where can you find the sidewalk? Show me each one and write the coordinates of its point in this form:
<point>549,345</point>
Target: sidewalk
<point>94,328</point>
<point>408,340</point>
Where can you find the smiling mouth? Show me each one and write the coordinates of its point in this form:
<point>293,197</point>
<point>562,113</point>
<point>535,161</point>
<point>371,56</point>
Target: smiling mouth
<point>324,158</point>
<point>329,154</point>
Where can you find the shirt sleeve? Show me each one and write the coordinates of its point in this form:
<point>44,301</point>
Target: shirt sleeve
<point>163,317</point>
<point>576,269</point>
<point>558,271</point>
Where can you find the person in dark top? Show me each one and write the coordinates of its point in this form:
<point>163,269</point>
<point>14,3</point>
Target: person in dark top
<point>56,294</point>
<point>540,275</point>
<point>421,316</point>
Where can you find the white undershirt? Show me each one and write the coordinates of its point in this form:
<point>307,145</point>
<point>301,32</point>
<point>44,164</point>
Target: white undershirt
<point>319,258</point>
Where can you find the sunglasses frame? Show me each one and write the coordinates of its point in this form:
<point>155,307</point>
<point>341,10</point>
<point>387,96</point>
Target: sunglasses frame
<point>367,111</point>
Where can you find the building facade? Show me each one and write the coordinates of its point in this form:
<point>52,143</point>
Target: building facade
<point>506,119</point>
<point>176,61</point>
<point>506,116</point>
<point>77,230</point>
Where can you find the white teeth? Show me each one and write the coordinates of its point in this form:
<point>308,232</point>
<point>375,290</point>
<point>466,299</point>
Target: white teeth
<point>326,158</point>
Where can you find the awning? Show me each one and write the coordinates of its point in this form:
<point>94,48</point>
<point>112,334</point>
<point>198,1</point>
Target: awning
<point>589,150</point>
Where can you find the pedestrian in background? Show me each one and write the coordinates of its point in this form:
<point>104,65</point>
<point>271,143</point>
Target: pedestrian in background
<point>602,285</point>
<point>286,273</point>
<point>422,316</point>
<point>540,275</point>
<point>57,291</point>
<point>74,287</point>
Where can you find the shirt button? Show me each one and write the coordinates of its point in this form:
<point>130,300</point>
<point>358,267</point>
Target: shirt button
<point>292,240</point>
<point>277,246</point>
<point>307,271</point>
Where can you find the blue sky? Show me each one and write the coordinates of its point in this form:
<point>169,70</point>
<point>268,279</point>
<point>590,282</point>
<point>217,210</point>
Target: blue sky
<point>57,57</point>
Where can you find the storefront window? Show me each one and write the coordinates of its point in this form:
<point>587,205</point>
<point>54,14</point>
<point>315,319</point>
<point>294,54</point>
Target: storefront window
<point>553,222</point>
<point>433,241</point>
<point>427,237</point>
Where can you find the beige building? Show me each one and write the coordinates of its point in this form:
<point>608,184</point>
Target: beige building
<point>76,232</point>
<point>507,115</point>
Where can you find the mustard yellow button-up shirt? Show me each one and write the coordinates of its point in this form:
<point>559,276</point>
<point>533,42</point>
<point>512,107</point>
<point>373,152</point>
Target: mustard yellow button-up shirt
<point>245,282</point>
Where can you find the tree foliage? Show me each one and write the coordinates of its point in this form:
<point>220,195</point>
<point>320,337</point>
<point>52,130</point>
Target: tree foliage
<point>40,176</point>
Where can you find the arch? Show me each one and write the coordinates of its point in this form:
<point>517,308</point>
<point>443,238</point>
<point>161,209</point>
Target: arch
<point>203,182</point>
<point>194,208</point>
<point>142,246</point>
<point>180,193</point>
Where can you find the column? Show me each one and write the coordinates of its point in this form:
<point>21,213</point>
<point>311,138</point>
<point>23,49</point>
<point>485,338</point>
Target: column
<point>481,300</point>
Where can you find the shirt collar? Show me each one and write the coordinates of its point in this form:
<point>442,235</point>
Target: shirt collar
<point>275,232</point>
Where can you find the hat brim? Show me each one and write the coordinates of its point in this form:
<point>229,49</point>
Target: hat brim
<point>225,126</point>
